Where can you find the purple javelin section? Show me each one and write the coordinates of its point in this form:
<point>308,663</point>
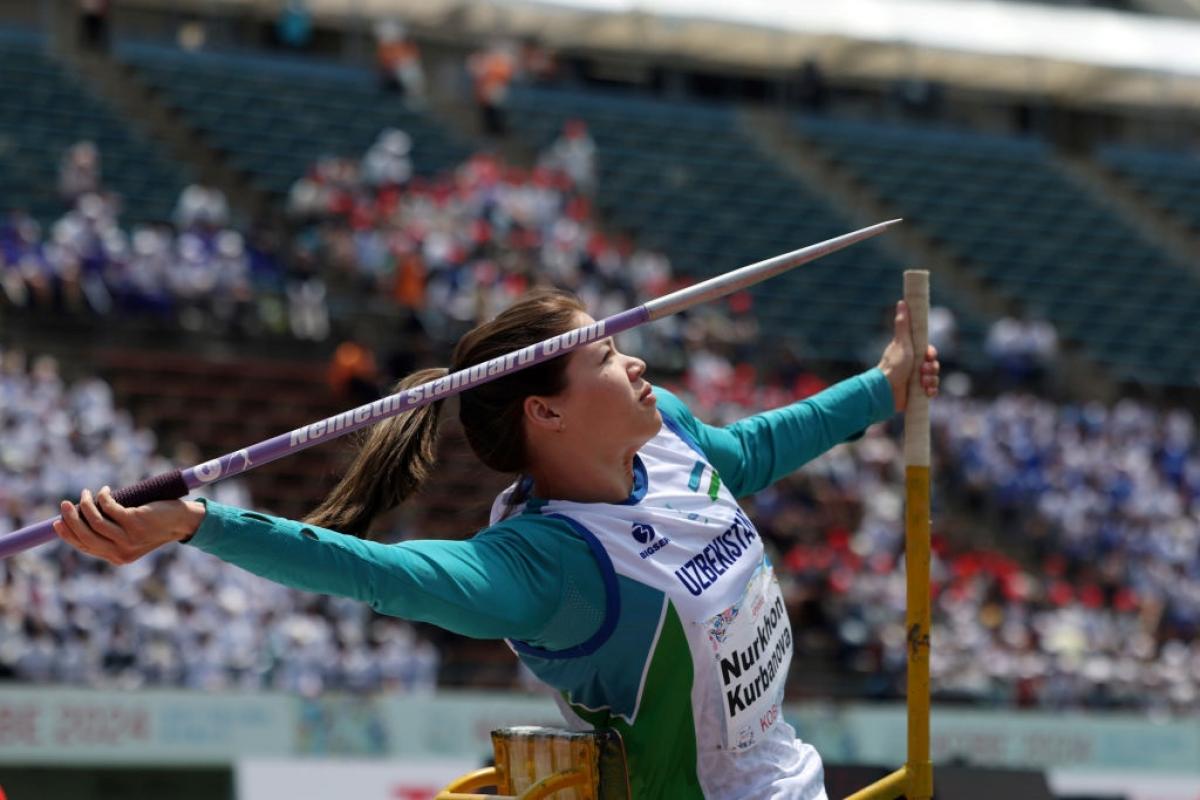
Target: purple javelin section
<point>31,536</point>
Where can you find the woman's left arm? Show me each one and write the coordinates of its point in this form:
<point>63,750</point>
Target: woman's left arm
<point>754,452</point>
<point>757,451</point>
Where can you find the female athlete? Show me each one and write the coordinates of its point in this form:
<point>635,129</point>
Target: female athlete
<point>618,565</point>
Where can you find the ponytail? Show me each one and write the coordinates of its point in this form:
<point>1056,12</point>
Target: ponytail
<point>398,453</point>
<point>392,462</point>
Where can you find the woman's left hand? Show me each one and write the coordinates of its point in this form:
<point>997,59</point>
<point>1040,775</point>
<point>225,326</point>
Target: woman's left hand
<point>897,361</point>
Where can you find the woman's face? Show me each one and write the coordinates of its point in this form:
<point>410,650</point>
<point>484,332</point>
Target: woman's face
<point>607,403</point>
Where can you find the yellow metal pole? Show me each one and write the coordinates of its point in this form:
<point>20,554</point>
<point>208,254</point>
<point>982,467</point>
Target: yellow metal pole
<point>464,787</point>
<point>919,767</point>
<point>552,784</point>
<point>886,788</point>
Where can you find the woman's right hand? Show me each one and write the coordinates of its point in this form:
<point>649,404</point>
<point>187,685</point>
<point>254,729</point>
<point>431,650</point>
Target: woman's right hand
<point>102,527</point>
<point>897,361</point>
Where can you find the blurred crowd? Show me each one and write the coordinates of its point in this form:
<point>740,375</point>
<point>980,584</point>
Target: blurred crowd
<point>1107,501</point>
<point>445,251</point>
<point>456,249</point>
<point>1088,597</point>
<point>56,438</point>
<point>1023,352</point>
<point>198,268</point>
<point>178,617</point>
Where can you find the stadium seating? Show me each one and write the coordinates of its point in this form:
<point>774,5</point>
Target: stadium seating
<point>45,110</point>
<point>683,180</point>
<point>1169,180</point>
<point>218,405</point>
<point>274,117</point>
<point>1004,207</point>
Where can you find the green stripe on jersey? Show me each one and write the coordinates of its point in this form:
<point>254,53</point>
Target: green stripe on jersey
<point>661,743</point>
<point>714,486</point>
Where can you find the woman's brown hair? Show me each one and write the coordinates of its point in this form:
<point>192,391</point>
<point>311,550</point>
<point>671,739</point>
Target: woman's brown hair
<point>396,455</point>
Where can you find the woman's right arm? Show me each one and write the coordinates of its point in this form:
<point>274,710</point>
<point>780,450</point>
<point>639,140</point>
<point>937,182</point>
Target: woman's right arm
<point>503,583</point>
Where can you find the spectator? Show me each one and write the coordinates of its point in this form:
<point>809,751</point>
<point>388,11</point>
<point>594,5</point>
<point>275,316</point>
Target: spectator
<point>192,34</point>
<point>353,374</point>
<point>387,162</point>
<point>79,171</point>
<point>1022,351</point>
<point>492,70</point>
<point>201,206</point>
<point>26,276</point>
<point>399,62</point>
<point>82,242</point>
<point>574,153</point>
<point>308,311</point>
<point>943,334</point>
<point>294,26</point>
<point>93,20</point>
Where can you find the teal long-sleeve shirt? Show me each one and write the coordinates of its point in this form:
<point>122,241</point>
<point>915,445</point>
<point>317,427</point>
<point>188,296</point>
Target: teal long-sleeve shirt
<point>509,579</point>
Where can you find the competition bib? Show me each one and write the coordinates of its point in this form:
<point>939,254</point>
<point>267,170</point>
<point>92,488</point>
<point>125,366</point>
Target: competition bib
<point>752,646</point>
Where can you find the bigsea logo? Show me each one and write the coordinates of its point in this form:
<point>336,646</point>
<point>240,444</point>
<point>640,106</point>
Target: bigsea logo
<point>643,533</point>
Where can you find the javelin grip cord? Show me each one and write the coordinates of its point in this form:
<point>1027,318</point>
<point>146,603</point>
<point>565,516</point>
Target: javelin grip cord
<point>171,485</point>
<point>164,486</point>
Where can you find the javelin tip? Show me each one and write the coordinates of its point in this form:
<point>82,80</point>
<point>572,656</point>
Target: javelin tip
<point>751,274</point>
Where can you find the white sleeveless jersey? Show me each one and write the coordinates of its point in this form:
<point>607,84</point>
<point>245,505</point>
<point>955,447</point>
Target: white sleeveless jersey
<point>691,660</point>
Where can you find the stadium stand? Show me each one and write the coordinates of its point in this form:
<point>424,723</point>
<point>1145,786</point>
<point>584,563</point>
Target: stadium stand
<point>219,405</point>
<point>683,180</point>
<point>195,272</point>
<point>274,117</point>
<point>1002,205</point>
<point>45,110</point>
<point>467,242</point>
<point>1170,180</point>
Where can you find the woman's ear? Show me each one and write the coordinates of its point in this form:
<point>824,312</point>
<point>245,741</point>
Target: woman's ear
<point>541,414</point>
